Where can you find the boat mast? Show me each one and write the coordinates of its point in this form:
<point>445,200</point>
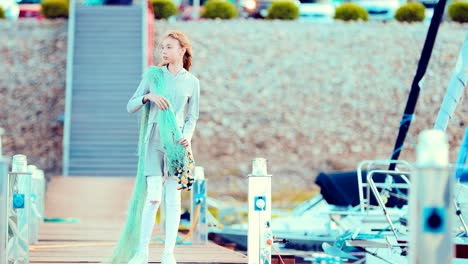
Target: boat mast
<point>415,88</point>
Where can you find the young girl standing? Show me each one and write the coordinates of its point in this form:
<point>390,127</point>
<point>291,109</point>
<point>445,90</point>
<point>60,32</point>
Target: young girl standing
<point>169,98</point>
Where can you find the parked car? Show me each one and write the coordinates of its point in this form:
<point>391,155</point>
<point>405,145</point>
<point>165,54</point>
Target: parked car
<point>257,8</point>
<point>11,9</point>
<point>321,10</point>
<point>30,8</point>
<point>383,10</point>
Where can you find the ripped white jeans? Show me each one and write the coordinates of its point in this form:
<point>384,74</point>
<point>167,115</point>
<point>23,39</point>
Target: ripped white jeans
<point>172,203</point>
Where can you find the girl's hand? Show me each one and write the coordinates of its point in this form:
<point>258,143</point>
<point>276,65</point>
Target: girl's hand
<point>160,101</point>
<point>184,142</point>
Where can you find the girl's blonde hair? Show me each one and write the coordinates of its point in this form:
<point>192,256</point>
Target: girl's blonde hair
<point>184,43</point>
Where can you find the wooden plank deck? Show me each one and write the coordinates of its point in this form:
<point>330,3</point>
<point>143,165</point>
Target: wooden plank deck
<point>100,205</point>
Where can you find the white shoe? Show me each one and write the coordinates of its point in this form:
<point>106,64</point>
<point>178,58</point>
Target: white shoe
<point>168,259</point>
<point>141,257</point>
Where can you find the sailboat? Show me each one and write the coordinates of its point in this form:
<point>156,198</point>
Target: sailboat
<point>365,218</point>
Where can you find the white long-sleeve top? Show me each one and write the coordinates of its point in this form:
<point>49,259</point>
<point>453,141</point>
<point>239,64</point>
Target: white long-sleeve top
<point>184,92</point>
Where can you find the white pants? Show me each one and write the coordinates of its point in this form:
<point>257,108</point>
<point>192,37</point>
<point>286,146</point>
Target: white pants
<point>172,204</point>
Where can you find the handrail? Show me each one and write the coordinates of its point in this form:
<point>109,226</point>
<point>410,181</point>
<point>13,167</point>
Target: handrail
<point>68,87</point>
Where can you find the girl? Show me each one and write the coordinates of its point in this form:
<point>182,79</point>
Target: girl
<point>169,97</point>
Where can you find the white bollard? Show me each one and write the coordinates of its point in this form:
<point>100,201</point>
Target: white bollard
<point>431,201</point>
<point>4,164</point>
<point>199,207</point>
<point>18,218</point>
<point>260,238</point>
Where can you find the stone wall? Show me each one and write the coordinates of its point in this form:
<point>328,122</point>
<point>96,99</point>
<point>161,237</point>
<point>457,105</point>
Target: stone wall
<point>306,96</point>
<point>32,90</point>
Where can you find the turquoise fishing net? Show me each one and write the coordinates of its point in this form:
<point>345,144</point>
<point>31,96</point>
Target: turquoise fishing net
<point>177,162</point>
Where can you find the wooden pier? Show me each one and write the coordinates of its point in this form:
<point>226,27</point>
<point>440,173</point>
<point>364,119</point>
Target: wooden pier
<point>100,205</point>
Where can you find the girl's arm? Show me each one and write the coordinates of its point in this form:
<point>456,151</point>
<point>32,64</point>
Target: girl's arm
<point>193,112</point>
<point>136,102</point>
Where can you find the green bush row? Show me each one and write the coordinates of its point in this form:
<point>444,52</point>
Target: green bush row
<point>280,9</point>
<point>410,12</point>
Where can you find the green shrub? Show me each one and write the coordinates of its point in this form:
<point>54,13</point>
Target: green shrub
<point>283,9</point>
<point>410,12</point>
<point>351,11</point>
<point>219,9</point>
<point>2,13</point>
<point>163,9</point>
<point>458,11</point>
<point>54,8</point>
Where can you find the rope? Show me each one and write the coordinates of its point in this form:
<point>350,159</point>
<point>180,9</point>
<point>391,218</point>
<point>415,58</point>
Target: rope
<point>406,120</point>
<point>279,255</point>
<point>194,223</point>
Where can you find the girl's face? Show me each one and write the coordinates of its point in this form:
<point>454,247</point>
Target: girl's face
<point>171,51</point>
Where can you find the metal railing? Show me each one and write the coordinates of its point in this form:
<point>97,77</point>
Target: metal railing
<point>370,165</point>
<point>19,193</point>
<point>22,193</point>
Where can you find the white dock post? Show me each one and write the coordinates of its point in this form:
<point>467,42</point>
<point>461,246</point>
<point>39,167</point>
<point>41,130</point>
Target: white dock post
<point>199,207</point>
<point>4,163</point>
<point>260,238</point>
<point>431,201</point>
<point>18,218</point>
